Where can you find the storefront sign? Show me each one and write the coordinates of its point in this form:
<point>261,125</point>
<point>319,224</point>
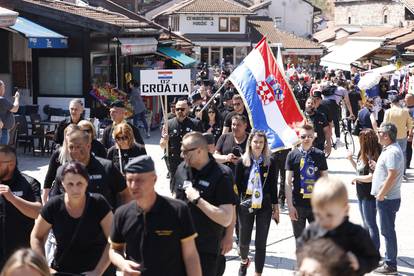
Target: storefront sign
<point>201,20</point>
<point>165,82</point>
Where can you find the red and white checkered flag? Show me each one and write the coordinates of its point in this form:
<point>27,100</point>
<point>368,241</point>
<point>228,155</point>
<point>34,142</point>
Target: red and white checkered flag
<point>266,95</point>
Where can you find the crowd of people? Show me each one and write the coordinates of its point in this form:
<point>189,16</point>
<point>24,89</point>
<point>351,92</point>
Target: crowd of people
<point>98,211</point>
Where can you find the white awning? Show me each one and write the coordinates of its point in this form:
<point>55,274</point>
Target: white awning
<point>342,57</point>
<point>383,70</point>
<point>7,17</point>
<point>138,45</point>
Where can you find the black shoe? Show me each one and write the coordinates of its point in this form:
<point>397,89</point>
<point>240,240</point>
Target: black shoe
<point>243,268</point>
<point>386,270</point>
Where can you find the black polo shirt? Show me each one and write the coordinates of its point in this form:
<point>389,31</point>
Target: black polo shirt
<point>60,130</point>
<point>229,116</point>
<point>215,183</point>
<point>108,141</point>
<point>350,237</point>
<point>154,239</point>
<point>104,179</point>
<point>15,228</point>
<point>293,163</point>
<point>319,123</point>
<point>226,145</point>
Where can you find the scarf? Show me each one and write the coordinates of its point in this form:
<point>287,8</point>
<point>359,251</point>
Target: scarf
<point>254,186</point>
<point>308,174</point>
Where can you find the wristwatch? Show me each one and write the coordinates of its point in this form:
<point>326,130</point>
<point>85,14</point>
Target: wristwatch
<point>195,201</point>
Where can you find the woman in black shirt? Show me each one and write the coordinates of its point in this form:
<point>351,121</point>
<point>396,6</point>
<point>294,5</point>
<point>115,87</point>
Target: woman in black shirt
<point>80,222</point>
<point>370,150</point>
<point>125,147</point>
<point>97,148</point>
<point>257,185</point>
<point>212,122</point>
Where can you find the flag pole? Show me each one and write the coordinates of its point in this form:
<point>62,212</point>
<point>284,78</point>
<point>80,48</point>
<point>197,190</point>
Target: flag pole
<point>215,94</point>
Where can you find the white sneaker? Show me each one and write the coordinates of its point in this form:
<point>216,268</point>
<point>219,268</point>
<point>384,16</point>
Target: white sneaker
<point>148,134</point>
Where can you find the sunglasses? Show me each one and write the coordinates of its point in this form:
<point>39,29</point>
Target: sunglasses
<point>185,151</point>
<point>180,109</point>
<point>198,110</point>
<point>211,112</point>
<point>121,138</point>
<point>306,136</point>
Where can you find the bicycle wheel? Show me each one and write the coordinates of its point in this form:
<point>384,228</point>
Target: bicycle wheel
<point>349,142</point>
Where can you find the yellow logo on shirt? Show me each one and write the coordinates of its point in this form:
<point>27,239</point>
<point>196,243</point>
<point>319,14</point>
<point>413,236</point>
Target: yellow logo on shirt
<point>163,232</point>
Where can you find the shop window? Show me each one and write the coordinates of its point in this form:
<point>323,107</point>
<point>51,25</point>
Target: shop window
<point>234,24</point>
<point>175,23</point>
<point>204,55</point>
<point>223,24</point>
<point>215,56</point>
<point>60,76</point>
<point>228,55</point>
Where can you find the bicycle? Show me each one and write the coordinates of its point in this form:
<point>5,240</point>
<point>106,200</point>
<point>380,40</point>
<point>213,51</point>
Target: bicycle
<point>345,137</point>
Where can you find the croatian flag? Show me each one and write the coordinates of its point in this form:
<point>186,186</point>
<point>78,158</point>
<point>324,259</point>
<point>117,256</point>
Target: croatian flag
<point>272,107</point>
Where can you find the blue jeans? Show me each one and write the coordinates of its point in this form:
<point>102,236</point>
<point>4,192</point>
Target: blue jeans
<point>4,136</point>
<point>387,211</point>
<point>368,209</point>
<point>140,117</point>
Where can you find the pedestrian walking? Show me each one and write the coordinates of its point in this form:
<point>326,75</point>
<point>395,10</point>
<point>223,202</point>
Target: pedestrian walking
<point>6,113</point>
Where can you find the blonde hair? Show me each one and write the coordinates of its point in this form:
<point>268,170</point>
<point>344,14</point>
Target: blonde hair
<point>26,258</point>
<point>88,124</point>
<point>124,128</point>
<point>64,155</point>
<point>329,189</point>
<point>247,156</point>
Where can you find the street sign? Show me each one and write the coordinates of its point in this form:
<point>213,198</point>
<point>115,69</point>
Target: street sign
<point>165,82</point>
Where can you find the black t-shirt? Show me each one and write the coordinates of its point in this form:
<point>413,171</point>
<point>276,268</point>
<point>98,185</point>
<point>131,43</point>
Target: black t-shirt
<point>215,184</point>
<point>294,163</point>
<point>154,239</point>
<point>60,130</point>
<point>226,145</point>
<point>98,149</point>
<point>319,123</point>
<point>17,227</point>
<point>54,164</point>
<point>325,111</point>
<point>229,116</point>
<point>108,141</point>
<point>363,189</point>
<point>354,98</point>
<point>126,155</point>
<point>104,179</point>
<point>90,241</point>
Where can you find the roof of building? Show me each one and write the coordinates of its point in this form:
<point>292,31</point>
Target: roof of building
<point>325,34</point>
<point>210,6</point>
<point>265,26</point>
<point>96,17</point>
<point>377,31</point>
<point>409,4</point>
<point>261,5</point>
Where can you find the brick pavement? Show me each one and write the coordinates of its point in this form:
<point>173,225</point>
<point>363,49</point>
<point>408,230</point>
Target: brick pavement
<point>280,258</point>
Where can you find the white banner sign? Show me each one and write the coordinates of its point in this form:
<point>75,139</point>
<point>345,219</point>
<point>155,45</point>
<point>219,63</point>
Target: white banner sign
<point>165,82</point>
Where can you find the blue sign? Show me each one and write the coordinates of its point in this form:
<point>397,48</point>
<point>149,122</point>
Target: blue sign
<point>43,42</point>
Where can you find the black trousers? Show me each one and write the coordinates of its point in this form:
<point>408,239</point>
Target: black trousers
<point>263,218</point>
<point>280,158</point>
<point>304,214</point>
<point>209,263</point>
<point>335,111</point>
<point>409,153</point>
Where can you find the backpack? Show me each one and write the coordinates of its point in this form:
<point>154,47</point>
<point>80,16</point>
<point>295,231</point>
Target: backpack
<point>329,91</point>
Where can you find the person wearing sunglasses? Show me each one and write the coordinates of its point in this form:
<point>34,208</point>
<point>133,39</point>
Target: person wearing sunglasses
<point>177,127</point>
<point>96,147</point>
<point>212,122</point>
<point>239,109</point>
<point>125,147</point>
<point>304,166</point>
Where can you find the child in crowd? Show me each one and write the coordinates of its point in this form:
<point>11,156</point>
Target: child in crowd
<point>330,208</point>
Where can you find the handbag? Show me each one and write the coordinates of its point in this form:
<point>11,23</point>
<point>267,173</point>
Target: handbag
<point>247,202</point>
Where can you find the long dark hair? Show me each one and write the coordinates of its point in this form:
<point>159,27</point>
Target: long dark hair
<point>370,147</point>
<point>74,167</point>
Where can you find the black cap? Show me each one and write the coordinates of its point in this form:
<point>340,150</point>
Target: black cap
<point>317,94</point>
<point>196,97</point>
<point>117,103</point>
<point>140,164</point>
<point>209,137</point>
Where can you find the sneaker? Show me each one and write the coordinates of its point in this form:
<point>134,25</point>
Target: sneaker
<point>386,270</point>
<point>148,134</point>
<point>243,268</point>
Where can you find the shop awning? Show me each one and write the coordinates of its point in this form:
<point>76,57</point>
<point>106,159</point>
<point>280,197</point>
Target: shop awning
<point>138,45</point>
<point>39,37</point>
<point>342,57</point>
<point>7,17</point>
<point>183,59</point>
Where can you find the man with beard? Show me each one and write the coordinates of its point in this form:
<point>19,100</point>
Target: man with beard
<point>178,126</point>
<point>239,109</point>
<point>321,126</point>
<point>20,204</point>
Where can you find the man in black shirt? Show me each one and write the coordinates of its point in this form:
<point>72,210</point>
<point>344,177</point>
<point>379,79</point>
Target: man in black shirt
<point>76,110</point>
<point>320,125</point>
<point>304,165</point>
<point>152,234</point>
<point>239,109</point>
<point>104,177</point>
<point>20,204</point>
<point>117,112</point>
<point>207,187</point>
<point>178,126</point>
